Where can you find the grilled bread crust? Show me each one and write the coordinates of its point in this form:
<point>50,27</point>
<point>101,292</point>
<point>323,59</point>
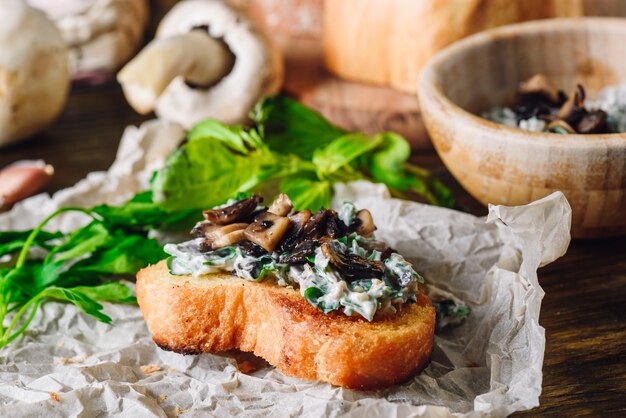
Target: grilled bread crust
<point>220,312</point>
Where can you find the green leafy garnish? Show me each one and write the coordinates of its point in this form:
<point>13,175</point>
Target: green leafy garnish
<point>74,269</point>
<point>291,149</point>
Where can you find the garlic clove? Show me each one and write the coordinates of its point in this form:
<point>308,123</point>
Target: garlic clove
<point>23,179</point>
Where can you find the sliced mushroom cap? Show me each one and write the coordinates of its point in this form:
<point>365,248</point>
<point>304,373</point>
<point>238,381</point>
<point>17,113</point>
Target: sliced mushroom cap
<point>593,123</point>
<point>267,231</point>
<point>541,85</point>
<point>316,225</point>
<point>351,266</point>
<point>300,252</point>
<point>234,212</point>
<point>281,206</point>
<point>234,235</point>
<point>251,249</point>
<point>218,236</point>
<point>294,234</point>
<point>335,228</point>
<point>574,107</point>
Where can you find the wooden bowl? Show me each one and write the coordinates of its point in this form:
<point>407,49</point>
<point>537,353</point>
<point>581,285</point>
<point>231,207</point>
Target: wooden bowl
<point>502,165</point>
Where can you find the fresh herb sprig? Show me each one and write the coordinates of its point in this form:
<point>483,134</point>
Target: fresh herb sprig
<point>71,268</point>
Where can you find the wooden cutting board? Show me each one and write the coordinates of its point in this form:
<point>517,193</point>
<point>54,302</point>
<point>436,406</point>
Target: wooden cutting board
<point>351,105</point>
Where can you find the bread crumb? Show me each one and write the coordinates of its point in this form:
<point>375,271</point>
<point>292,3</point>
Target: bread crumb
<point>246,367</point>
<point>55,397</point>
<point>172,370</point>
<point>150,368</point>
<point>178,411</point>
<point>162,397</point>
<point>64,360</point>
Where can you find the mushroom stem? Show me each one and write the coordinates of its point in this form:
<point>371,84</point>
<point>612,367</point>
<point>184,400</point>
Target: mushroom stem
<point>197,57</point>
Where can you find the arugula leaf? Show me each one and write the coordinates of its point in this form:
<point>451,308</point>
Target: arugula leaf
<point>97,249</point>
<point>78,298</point>
<point>11,241</point>
<point>75,296</point>
<point>142,212</point>
<point>306,193</point>
<point>288,126</point>
<point>130,254</point>
<point>108,292</point>
<point>81,242</point>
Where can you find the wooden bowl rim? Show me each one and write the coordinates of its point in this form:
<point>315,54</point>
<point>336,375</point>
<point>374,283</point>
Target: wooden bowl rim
<point>429,84</point>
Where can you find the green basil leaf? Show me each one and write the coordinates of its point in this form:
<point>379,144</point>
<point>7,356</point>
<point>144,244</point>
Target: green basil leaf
<point>388,161</point>
<point>288,126</point>
<point>343,150</point>
<point>231,136</point>
<point>306,193</point>
<point>388,165</point>
<point>204,173</point>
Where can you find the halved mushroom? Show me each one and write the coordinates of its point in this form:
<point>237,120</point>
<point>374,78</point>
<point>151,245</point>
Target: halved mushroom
<point>232,213</point>
<point>281,206</point>
<point>539,84</point>
<point>267,231</point>
<point>351,266</point>
<point>251,249</point>
<point>226,92</point>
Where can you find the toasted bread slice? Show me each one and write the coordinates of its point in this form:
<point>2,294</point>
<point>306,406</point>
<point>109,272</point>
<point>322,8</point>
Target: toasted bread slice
<point>221,312</point>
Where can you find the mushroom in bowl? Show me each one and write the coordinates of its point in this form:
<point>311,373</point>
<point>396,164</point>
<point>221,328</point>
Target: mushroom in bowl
<point>500,164</point>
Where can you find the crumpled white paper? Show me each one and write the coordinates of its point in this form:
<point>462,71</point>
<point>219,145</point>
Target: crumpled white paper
<point>68,364</point>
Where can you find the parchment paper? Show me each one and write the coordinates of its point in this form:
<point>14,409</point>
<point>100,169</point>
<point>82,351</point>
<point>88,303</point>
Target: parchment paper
<point>68,364</point>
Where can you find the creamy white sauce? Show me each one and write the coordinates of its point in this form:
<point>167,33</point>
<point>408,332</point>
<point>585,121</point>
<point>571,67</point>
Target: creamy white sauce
<point>319,283</point>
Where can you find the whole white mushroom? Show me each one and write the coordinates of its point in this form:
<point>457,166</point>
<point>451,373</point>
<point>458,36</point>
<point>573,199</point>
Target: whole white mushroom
<point>101,34</point>
<point>34,74</point>
<point>207,61</point>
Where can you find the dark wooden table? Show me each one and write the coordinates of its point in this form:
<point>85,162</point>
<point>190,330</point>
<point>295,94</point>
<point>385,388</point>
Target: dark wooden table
<point>584,310</point>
